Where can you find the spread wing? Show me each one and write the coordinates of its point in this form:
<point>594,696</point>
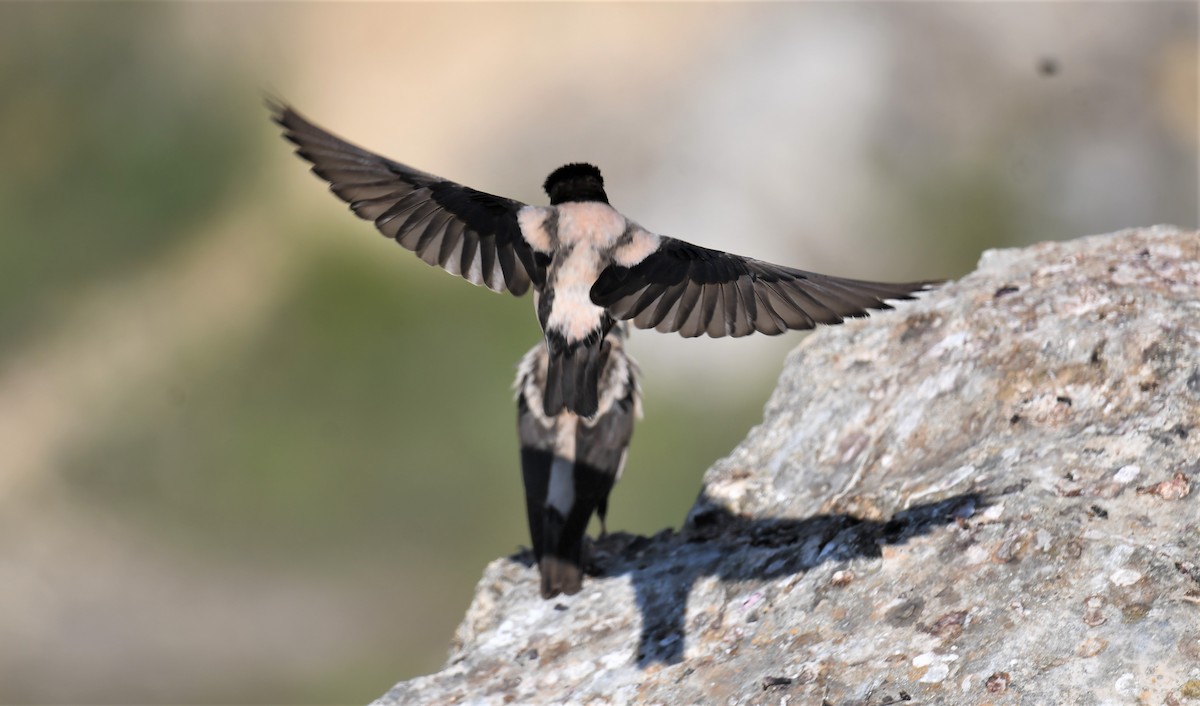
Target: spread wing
<point>696,291</point>
<point>465,232</point>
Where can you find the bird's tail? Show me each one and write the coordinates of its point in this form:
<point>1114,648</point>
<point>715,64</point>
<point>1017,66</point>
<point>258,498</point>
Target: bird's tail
<point>561,496</point>
<point>573,377</point>
<point>564,534</point>
<point>557,532</point>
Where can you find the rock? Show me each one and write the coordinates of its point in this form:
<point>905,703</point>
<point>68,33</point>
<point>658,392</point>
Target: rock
<point>986,496</point>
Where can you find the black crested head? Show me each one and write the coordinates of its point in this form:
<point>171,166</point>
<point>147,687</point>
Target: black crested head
<point>575,182</point>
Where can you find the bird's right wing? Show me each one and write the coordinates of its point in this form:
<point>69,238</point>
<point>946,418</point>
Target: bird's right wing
<point>466,232</point>
<point>673,286</point>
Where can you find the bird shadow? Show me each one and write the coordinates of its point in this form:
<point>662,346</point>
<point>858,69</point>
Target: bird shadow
<point>665,568</point>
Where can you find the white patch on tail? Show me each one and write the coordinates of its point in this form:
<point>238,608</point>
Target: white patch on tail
<point>561,493</point>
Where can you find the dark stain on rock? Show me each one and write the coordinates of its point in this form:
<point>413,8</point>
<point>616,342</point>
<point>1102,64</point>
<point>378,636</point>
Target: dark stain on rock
<point>998,683</point>
<point>1011,549</point>
<point>1134,612</point>
<point>1093,611</point>
<point>1189,647</point>
<point>917,326</point>
<point>1189,569</point>
<point>948,626</point>
<point>1068,491</point>
<point>552,652</point>
<point>1170,436</point>
<point>1193,381</point>
<point>1014,488</point>
<point>906,613</point>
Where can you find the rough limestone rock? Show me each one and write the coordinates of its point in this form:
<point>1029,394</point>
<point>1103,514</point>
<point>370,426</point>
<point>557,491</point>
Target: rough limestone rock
<point>985,497</point>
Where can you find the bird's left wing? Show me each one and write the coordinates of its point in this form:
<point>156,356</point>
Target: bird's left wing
<point>466,232</point>
<point>671,285</point>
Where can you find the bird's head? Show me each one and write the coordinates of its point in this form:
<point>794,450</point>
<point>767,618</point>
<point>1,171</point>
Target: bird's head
<point>575,182</point>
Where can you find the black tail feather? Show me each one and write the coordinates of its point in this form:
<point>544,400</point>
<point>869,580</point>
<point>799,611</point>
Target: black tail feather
<point>557,541</point>
<point>560,543</point>
<point>535,471</point>
<point>573,378</point>
<point>561,566</point>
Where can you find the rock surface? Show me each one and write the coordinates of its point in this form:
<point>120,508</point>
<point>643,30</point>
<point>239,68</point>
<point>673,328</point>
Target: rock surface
<point>988,496</point>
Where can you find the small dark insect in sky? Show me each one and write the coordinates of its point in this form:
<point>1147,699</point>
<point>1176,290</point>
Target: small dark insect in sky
<point>1047,66</point>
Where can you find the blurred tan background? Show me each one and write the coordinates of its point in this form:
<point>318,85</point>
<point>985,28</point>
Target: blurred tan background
<point>250,451</point>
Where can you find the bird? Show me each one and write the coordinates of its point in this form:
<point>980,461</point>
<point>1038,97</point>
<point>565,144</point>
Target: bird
<point>569,463</point>
<point>588,265</point>
<point>593,272</point>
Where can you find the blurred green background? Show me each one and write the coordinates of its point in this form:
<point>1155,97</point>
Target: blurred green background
<point>250,451</point>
